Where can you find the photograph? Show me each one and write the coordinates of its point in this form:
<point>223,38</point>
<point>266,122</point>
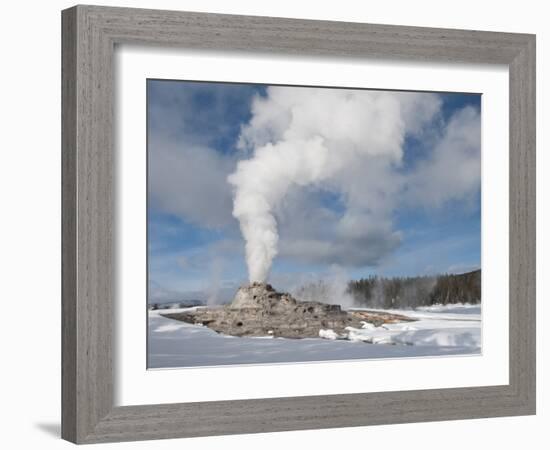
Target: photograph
<point>294,224</point>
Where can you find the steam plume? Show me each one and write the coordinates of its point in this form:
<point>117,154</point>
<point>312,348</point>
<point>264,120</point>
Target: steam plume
<point>301,137</point>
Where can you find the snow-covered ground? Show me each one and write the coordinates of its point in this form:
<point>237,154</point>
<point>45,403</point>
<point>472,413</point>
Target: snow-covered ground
<point>439,330</point>
<point>441,326</point>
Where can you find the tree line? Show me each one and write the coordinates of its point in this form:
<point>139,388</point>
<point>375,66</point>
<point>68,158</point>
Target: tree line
<point>411,292</point>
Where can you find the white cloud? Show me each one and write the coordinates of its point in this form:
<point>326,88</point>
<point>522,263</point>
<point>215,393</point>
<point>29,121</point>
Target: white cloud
<point>454,169</point>
<point>189,181</point>
<point>311,232</point>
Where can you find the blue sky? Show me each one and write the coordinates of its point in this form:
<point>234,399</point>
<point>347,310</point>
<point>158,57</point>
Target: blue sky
<point>430,223</point>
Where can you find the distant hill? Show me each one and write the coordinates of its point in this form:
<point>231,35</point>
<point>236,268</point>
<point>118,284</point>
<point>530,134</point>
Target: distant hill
<point>176,304</point>
<point>410,292</point>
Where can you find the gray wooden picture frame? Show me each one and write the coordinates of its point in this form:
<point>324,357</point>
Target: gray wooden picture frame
<point>90,34</point>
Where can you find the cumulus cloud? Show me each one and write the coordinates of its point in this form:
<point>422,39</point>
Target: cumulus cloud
<point>314,233</point>
<point>192,129</point>
<point>453,169</point>
<point>351,144</point>
<point>189,181</point>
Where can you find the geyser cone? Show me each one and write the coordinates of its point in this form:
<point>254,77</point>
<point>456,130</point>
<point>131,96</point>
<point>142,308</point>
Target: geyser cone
<point>259,310</point>
<point>261,296</point>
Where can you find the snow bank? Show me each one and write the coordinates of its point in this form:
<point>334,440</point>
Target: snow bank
<point>438,325</point>
<point>431,334</point>
<point>178,344</point>
<point>328,334</point>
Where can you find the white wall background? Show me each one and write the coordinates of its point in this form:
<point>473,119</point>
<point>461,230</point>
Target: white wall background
<point>31,208</point>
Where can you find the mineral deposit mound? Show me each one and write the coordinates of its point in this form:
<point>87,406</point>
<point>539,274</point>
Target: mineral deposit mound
<point>259,310</point>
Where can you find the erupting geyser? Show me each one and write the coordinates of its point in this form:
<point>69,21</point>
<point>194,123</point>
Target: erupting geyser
<point>312,137</point>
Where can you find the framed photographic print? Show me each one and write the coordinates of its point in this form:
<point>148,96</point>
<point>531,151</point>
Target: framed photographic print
<point>306,210</point>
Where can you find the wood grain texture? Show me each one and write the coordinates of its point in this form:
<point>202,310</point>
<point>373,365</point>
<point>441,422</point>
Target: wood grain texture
<point>88,209</point>
<point>68,226</point>
<point>89,36</point>
<point>523,224</point>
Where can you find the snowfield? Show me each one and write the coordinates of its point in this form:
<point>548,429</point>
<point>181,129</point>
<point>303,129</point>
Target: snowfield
<point>438,331</point>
